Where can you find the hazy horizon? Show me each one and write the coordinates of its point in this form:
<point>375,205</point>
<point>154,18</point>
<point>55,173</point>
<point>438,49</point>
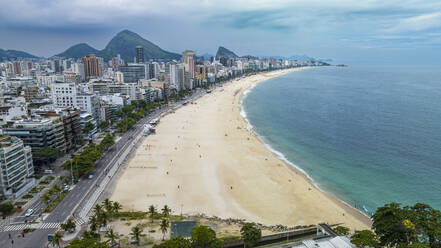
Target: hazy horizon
<point>354,32</point>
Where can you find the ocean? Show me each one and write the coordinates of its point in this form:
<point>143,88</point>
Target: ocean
<point>366,135</point>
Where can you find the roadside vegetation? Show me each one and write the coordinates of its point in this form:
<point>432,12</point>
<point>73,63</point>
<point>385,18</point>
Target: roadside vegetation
<point>53,197</point>
<point>416,226</point>
<point>84,162</point>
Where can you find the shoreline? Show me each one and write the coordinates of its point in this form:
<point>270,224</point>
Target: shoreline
<point>354,211</point>
<point>204,159</point>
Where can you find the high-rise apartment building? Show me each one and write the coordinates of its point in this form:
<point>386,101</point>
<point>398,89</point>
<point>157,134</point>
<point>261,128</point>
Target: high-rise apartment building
<point>115,64</point>
<point>173,71</point>
<point>188,60</point>
<point>139,54</point>
<point>15,165</point>
<point>91,66</point>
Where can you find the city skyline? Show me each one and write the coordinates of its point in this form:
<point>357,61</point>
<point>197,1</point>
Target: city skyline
<point>389,32</point>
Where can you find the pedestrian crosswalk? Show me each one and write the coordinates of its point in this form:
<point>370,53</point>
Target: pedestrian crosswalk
<point>49,225</point>
<point>43,225</point>
<point>19,227</point>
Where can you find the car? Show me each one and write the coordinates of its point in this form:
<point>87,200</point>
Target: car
<point>29,212</point>
<point>90,176</point>
<point>66,187</point>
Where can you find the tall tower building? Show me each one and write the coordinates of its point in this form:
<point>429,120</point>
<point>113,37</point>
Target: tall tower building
<point>188,60</point>
<point>139,54</point>
<point>91,66</point>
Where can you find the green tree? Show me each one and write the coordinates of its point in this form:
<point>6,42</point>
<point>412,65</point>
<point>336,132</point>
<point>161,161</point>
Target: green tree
<point>250,234</point>
<point>56,239</point>
<point>89,126</point>
<point>164,227</point>
<point>388,225</point>
<point>116,207</point>
<point>104,125</point>
<point>6,208</point>
<point>152,212</point>
<point>427,223</point>
<point>364,239</point>
<point>108,205</point>
<point>176,242</point>
<point>46,155</point>
<point>86,243</point>
<point>205,237</point>
<point>400,227</point>
<point>90,235</point>
<point>97,210</point>
<point>341,230</point>
<point>166,211</point>
<point>93,223</point>
<point>69,226</point>
<point>57,188</point>
<point>136,233</point>
<point>46,197</point>
<point>112,236</point>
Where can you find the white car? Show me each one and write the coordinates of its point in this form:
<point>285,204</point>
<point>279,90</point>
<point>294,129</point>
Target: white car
<point>29,212</point>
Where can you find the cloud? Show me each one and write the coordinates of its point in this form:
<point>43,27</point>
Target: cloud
<point>285,25</point>
<point>417,23</point>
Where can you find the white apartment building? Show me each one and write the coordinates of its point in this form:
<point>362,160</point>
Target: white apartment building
<point>64,94</point>
<point>174,76</point>
<point>16,166</point>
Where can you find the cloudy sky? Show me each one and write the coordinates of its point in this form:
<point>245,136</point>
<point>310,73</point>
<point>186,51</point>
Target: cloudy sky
<point>348,31</point>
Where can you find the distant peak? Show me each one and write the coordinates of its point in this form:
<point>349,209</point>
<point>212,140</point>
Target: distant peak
<point>224,52</point>
<point>127,32</point>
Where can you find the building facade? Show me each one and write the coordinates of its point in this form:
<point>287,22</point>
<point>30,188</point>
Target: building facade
<point>133,72</point>
<point>91,66</point>
<point>139,54</point>
<point>15,165</point>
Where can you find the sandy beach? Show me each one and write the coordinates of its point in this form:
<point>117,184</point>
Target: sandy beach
<point>203,159</point>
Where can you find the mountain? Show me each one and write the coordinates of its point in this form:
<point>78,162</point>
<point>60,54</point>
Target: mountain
<point>6,55</point>
<point>78,51</point>
<point>223,52</point>
<point>125,42</point>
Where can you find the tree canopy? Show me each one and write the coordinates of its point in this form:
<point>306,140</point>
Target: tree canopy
<point>250,234</point>
<point>395,226</point>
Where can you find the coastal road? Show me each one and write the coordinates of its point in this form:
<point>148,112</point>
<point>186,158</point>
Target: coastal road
<point>75,197</point>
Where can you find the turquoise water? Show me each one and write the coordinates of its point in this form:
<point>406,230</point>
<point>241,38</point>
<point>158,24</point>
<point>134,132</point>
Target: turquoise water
<point>367,135</point>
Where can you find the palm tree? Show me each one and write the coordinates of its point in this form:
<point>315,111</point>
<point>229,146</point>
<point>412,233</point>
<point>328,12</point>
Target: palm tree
<point>166,211</point>
<point>97,209</point>
<point>152,212</point>
<point>56,239</point>
<point>108,205</point>
<point>164,227</point>
<point>93,223</point>
<point>136,233</point>
<point>103,218</point>
<point>116,207</point>
<point>112,236</point>
<point>69,226</point>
